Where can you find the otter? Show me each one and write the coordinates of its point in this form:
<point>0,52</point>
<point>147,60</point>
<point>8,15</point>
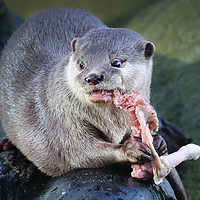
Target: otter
<point>58,74</point>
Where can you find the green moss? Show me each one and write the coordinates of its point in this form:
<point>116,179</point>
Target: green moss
<point>171,22</point>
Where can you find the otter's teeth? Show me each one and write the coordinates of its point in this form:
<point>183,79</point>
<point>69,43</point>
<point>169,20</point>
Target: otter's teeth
<point>103,92</point>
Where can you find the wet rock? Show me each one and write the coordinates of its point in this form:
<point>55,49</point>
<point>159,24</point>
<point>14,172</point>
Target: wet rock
<point>174,136</point>
<point>17,176</point>
<point>19,180</point>
<point>105,183</point>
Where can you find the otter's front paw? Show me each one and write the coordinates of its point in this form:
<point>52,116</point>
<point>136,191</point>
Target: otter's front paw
<point>160,144</point>
<point>136,151</point>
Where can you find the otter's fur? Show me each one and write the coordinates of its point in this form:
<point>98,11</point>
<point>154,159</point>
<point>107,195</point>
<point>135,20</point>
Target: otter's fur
<point>45,103</point>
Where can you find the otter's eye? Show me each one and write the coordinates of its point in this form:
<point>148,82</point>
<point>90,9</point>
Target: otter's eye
<point>116,63</point>
<point>81,65</point>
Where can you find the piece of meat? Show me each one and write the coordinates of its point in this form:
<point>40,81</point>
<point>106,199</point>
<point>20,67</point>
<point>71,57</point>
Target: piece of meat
<point>143,119</point>
<point>144,122</point>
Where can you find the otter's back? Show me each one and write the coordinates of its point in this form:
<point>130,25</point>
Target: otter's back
<point>49,32</point>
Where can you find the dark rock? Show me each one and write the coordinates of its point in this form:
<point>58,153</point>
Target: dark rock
<point>174,136</point>
<point>17,176</point>
<point>105,183</point>
<point>19,180</point>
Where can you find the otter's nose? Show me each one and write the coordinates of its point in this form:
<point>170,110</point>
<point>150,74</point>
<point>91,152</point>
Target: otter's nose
<point>94,79</point>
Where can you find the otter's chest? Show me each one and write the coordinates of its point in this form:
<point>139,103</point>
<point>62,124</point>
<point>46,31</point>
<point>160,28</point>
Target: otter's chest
<point>112,123</point>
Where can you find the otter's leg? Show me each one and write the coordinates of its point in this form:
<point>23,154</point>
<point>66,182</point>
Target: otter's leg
<point>84,151</point>
<point>136,151</point>
<point>160,144</point>
<point>104,153</point>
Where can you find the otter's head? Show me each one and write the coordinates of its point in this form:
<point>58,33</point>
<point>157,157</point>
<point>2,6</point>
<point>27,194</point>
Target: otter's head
<point>107,59</point>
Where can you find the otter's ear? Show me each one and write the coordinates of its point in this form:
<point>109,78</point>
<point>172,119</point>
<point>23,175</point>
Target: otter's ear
<point>149,49</point>
<point>73,44</point>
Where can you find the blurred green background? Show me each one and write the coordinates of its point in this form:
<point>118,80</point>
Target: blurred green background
<point>174,27</point>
